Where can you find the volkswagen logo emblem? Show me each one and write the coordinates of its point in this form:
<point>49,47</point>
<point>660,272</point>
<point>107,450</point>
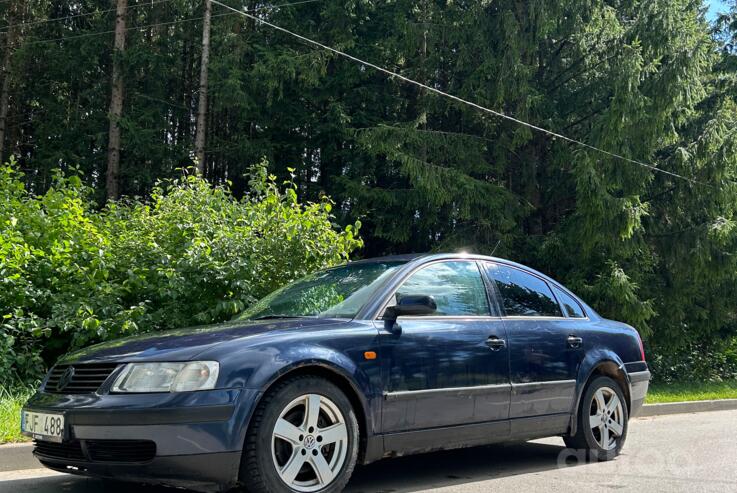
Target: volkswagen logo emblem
<point>309,442</point>
<point>66,377</point>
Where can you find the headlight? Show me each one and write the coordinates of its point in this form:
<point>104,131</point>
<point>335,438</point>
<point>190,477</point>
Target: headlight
<point>167,377</point>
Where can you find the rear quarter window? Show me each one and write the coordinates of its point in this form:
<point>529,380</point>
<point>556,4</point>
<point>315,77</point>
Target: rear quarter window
<point>572,307</point>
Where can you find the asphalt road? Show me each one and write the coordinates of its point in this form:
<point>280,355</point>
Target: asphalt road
<point>685,452</point>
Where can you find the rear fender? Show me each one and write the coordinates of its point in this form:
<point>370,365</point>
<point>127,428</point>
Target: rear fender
<point>603,359</point>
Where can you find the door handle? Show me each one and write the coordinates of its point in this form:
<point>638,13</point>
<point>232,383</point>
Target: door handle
<point>495,343</point>
<point>574,342</point>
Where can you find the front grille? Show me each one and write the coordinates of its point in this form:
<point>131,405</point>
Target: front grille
<point>121,450</point>
<point>86,378</point>
<point>67,450</point>
<point>97,450</point>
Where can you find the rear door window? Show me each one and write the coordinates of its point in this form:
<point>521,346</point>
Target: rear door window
<point>522,294</point>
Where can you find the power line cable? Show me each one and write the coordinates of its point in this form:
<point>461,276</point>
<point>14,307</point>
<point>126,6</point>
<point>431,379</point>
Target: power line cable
<point>277,6</point>
<point>100,33</point>
<point>460,100</point>
<point>4,29</point>
<point>84,14</point>
<point>146,26</point>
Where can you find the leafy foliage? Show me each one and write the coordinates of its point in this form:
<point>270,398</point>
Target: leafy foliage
<point>702,363</point>
<point>648,79</point>
<point>71,275</point>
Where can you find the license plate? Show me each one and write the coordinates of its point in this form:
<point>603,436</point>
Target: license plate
<point>42,426</point>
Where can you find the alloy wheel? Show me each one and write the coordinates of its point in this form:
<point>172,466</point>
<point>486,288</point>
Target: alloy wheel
<point>606,418</point>
<point>309,443</point>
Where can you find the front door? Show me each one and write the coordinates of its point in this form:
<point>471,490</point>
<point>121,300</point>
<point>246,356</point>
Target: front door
<point>450,367</point>
<point>545,352</point>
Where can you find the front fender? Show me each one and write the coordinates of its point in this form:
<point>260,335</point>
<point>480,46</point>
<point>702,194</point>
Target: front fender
<point>303,355</point>
<point>260,368</point>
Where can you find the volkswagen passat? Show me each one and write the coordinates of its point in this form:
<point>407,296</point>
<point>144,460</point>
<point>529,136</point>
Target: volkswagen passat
<point>372,359</point>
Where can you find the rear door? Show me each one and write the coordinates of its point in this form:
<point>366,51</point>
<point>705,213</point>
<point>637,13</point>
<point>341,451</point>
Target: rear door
<point>545,349</point>
<point>451,367</point>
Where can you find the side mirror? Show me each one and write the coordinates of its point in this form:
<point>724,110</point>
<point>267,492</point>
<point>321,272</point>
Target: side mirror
<point>409,305</point>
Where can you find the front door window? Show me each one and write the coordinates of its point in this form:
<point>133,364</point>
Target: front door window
<point>457,288</point>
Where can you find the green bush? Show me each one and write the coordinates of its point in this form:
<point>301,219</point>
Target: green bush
<point>715,362</point>
<point>71,275</point>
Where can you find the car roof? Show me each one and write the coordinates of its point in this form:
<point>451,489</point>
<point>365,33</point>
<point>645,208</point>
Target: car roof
<point>407,257</point>
<point>474,256</point>
<point>429,257</point>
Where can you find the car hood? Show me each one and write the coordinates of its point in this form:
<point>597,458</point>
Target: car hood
<point>185,344</point>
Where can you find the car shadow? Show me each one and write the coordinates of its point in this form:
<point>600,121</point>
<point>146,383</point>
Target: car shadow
<point>457,467</point>
<point>398,475</point>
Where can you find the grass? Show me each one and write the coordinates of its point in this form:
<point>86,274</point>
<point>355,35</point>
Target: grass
<point>10,405</point>
<point>691,391</point>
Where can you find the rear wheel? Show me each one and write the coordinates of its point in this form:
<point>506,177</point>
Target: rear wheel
<point>303,438</point>
<point>602,420</point>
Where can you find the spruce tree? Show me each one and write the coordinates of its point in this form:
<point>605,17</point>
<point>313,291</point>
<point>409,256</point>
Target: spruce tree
<point>648,80</point>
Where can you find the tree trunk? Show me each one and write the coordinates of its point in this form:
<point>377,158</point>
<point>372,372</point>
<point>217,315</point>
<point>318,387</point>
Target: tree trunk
<point>116,105</point>
<point>5,91</point>
<point>199,142</point>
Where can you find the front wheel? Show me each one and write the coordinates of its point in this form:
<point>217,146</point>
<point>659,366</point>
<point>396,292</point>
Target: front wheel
<point>303,438</point>
<point>602,420</point>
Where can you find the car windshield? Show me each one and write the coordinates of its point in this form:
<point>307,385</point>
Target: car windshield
<point>332,293</point>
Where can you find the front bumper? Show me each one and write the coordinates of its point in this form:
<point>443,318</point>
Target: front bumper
<point>199,472</point>
<point>197,436</point>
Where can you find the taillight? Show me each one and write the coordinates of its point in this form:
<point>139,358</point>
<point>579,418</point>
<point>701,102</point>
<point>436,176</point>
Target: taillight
<point>642,346</point>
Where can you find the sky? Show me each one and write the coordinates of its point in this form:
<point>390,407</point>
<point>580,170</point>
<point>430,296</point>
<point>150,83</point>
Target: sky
<point>715,7</point>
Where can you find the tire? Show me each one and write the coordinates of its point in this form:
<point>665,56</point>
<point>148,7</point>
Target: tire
<point>602,441</point>
<point>308,452</point>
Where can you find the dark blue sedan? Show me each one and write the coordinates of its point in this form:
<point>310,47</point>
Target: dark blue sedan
<point>373,359</point>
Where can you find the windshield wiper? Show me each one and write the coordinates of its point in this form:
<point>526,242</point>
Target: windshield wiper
<point>272,317</point>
